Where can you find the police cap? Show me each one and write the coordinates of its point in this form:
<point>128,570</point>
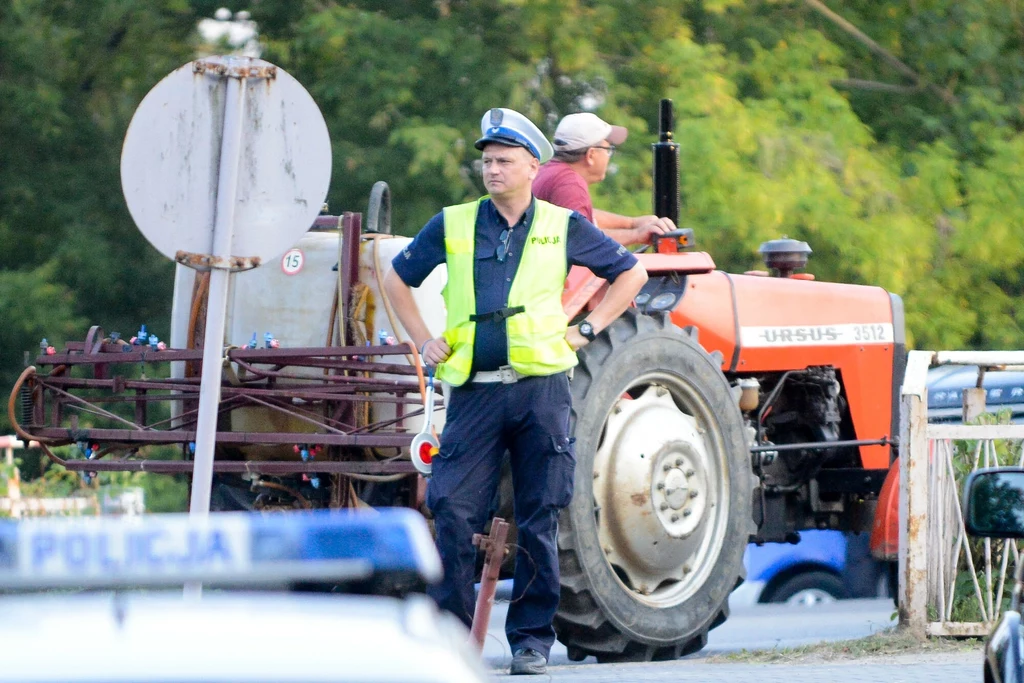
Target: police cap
<point>510,128</point>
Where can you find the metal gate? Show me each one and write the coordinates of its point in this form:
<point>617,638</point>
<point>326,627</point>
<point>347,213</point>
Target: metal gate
<point>951,584</point>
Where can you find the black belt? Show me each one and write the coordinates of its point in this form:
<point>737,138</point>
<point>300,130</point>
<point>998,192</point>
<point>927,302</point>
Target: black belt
<point>498,315</point>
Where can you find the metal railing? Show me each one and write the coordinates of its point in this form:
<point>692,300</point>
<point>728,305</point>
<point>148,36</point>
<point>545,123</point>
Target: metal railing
<point>950,584</point>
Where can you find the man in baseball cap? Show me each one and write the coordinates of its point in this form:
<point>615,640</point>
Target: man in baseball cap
<point>577,131</point>
<point>584,145</point>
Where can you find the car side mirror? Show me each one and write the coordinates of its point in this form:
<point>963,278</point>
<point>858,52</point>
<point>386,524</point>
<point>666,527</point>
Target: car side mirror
<point>994,503</point>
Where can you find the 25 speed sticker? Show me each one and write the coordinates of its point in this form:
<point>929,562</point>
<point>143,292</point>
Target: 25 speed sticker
<point>816,335</point>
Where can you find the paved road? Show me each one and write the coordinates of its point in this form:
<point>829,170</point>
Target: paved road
<point>763,627</point>
<point>961,669</point>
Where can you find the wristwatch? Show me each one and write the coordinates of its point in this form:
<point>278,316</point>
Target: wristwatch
<point>587,331</point>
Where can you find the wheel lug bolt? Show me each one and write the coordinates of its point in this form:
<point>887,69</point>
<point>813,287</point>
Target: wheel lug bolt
<point>693,494</point>
<point>666,467</point>
<point>660,486</point>
<point>663,506</point>
<point>679,462</point>
<point>674,518</point>
<point>687,513</point>
<point>689,473</point>
<point>686,569</point>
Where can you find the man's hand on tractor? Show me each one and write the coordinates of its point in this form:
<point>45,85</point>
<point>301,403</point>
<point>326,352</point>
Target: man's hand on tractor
<point>435,351</point>
<point>646,226</point>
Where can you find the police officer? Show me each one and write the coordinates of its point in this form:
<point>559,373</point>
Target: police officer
<point>505,352</point>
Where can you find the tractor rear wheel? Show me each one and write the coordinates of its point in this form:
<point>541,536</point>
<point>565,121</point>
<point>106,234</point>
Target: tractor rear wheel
<point>652,543</point>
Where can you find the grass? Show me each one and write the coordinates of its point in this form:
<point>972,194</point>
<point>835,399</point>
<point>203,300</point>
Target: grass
<point>887,643</point>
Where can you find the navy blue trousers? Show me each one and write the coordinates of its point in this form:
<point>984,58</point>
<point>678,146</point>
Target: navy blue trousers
<point>530,419</point>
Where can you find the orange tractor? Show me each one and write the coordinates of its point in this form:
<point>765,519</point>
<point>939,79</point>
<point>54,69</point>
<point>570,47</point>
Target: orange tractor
<point>722,408</point>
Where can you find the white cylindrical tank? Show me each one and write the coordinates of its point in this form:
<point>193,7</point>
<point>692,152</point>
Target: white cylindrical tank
<point>375,256</point>
<point>291,300</point>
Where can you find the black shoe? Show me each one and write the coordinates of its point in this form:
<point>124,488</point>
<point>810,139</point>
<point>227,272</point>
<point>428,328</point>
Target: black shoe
<point>528,662</point>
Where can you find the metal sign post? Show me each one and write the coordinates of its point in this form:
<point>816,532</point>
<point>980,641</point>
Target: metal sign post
<point>217,303</point>
<point>225,165</point>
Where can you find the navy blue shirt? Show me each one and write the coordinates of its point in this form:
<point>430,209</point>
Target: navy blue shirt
<point>586,246</point>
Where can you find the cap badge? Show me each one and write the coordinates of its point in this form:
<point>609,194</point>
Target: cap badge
<point>496,116</point>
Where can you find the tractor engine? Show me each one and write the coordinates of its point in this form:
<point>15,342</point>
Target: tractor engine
<point>805,406</point>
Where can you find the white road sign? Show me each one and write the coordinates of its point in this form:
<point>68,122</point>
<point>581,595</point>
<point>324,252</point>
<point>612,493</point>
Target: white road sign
<point>171,160</point>
<point>225,165</point>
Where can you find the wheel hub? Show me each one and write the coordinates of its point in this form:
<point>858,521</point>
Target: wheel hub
<point>652,493</point>
<point>680,489</point>
<point>675,488</point>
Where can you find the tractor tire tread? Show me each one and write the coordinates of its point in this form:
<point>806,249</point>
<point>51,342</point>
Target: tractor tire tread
<point>581,622</point>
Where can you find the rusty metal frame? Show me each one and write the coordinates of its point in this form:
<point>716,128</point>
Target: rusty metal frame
<point>495,551</point>
<point>233,68</point>
<point>319,386</point>
<point>351,229</point>
<point>206,262</point>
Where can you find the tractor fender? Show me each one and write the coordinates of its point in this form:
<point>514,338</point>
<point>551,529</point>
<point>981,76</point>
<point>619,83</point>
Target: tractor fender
<point>885,531</point>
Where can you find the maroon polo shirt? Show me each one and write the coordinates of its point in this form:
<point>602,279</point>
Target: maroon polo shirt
<point>560,185</point>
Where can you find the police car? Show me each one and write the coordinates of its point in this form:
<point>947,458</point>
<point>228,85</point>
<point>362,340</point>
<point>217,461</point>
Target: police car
<point>123,627</point>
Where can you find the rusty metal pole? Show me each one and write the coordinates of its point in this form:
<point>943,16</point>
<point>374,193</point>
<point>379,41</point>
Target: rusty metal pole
<point>494,549</point>
<point>913,548</point>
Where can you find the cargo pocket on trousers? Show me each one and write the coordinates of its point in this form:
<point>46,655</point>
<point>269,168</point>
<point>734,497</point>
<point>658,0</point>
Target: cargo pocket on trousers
<point>561,470</point>
<point>439,485</point>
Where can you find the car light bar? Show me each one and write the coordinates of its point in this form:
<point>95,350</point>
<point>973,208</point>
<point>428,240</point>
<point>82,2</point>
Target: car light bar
<point>224,549</point>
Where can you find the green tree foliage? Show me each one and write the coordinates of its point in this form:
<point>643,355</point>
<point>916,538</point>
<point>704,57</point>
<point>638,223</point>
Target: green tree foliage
<point>33,305</point>
<point>951,138</point>
<point>71,75</point>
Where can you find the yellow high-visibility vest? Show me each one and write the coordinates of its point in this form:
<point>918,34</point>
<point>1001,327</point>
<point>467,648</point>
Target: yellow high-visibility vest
<point>536,337</point>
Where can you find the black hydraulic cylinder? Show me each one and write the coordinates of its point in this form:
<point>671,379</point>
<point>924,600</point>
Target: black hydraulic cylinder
<point>666,167</point>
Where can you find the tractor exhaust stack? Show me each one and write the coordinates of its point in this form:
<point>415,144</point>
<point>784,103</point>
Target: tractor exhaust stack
<point>666,167</point>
